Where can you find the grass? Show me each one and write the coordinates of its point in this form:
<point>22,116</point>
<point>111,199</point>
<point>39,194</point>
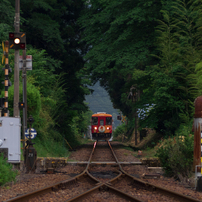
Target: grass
<point>48,148</point>
<point>147,153</point>
<point>128,148</point>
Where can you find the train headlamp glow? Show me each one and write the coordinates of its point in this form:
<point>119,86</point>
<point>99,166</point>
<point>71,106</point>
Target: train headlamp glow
<point>107,128</point>
<point>16,40</point>
<point>95,128</point>
<point>1,142</point>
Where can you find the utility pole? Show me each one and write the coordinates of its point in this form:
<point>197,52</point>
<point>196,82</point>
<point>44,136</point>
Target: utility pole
<point>134,95</point>
<point>24,79</point>
<point>16,111</point>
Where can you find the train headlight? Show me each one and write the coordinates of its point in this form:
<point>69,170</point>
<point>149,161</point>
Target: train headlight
<point>1,142</point>
<point>107,128</point>
<point>95,128</point>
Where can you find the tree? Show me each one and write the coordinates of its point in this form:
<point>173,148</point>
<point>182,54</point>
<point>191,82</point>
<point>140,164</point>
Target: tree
<point>173,80</point>
<point>134,44</point>
<point>120,35</point>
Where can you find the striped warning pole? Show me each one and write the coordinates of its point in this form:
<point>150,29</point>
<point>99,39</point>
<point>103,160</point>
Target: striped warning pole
<point>6,79</point>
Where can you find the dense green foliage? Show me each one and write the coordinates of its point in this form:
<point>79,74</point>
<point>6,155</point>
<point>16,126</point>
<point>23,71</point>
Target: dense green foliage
<point>120,131</point>
<point>6,172</point>
<point>117,48</point>
<point>154,47</point>
<point>176,156</point>
<point>54,91</point>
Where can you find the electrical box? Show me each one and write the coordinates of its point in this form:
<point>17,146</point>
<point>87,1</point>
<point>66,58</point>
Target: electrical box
<point>10,138</point>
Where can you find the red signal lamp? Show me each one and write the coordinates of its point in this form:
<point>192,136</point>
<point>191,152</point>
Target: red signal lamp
<point>22,45</point>
<point>11,35</point>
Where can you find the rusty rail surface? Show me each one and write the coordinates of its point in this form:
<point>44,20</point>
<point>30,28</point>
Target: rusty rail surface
<point>103,185</point>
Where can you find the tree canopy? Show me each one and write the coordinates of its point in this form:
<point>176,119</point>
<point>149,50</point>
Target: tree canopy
<point>151,46</point>
<point>149,51</point>
<point>52,36</point>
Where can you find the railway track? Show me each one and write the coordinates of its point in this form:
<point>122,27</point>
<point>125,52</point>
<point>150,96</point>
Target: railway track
<point>111,184</point>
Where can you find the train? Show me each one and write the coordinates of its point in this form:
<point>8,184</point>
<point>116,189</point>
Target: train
<point>101,126</point>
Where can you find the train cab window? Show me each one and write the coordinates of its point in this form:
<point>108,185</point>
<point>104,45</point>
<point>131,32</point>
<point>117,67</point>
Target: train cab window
<point>102,122</point>
<point>94,120</point>
<point>109,121</point>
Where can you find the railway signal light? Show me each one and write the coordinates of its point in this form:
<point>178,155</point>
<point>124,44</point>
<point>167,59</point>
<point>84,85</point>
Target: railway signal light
<point>21,105</point>
<point>17,40</point>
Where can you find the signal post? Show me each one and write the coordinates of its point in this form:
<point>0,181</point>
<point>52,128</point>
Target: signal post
<point>16,112</point>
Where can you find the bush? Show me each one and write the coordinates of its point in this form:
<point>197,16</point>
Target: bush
<point>33,99</point>
<point>120,130</point>
<point>6,172</point>
<point>176,156</point>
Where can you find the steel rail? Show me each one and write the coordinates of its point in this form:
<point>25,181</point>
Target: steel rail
<point>37,192</point>
<point>106,186</point>
<point>164,191</point>
<point>27,196</point>
<point>100,185</point>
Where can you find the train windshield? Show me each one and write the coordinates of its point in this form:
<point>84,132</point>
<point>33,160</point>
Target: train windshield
<point>94,120</point>
<point>102,122</point>
<point>108,120</point>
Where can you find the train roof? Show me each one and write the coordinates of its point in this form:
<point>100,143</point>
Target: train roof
<point>101,114</point>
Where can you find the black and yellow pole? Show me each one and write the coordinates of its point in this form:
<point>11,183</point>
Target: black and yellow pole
<point>6,79</point>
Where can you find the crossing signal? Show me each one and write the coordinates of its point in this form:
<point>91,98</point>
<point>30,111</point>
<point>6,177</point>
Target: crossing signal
<point>17,40</point>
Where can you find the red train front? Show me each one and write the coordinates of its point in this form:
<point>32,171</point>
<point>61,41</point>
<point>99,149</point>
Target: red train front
<point>101,126</point>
